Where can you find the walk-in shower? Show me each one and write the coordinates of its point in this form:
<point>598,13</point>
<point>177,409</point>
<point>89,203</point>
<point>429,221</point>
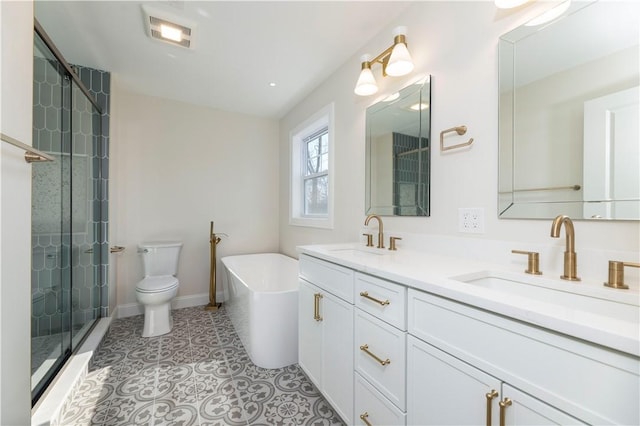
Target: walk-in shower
<point>69,224</point>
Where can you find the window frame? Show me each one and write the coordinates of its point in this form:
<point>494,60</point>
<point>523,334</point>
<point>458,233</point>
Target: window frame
<point>299,137</point>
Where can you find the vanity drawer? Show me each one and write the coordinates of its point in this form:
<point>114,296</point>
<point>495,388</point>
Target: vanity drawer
<point>390,299</point>
<point>374,407</point>
<point>333,278</point>
<point>381,356</point>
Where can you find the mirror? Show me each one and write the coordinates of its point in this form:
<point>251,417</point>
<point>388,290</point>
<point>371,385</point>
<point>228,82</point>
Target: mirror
<point>398,152</point>
<point>569,141</point>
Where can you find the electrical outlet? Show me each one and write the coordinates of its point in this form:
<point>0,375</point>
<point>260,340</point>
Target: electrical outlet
<point>471,220</point>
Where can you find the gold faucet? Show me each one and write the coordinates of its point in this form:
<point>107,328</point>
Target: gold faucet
<point>380,228</point>
<point>570,261</point>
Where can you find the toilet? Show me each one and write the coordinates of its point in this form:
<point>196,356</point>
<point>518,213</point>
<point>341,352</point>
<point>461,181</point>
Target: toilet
<point>159,286</point>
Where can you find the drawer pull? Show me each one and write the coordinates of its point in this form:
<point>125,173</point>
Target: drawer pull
<point>364,417</point>
<point>378,301</point>
<point>365,348</point>
<point>490,396</point>
<point>503,408</point>
<point>316,307</point>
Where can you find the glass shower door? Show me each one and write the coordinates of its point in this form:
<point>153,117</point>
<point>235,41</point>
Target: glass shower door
<point>51,196</point>
<point>85,214</point>
<point>66,217</point>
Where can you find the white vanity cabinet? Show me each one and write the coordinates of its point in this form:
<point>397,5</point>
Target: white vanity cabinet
<point>325,315</point>
<point>457,354</point>
<point>407,352</point>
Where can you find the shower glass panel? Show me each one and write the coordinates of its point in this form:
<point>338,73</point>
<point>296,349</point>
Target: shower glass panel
<point>65,275</point>
<point>50,271</point>
<point>85,244</point>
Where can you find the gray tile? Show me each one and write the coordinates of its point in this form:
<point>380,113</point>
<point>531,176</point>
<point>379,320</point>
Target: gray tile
<point>199,374</point>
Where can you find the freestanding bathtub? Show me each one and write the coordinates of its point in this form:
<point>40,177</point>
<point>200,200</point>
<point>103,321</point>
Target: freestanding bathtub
<point>262,303</point>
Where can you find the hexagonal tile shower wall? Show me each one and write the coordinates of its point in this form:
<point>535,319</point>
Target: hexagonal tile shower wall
<point>69,211</point>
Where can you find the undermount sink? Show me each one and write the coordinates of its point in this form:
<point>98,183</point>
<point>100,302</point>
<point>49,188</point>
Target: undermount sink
<point>565,296</point>
<point>360,251</point>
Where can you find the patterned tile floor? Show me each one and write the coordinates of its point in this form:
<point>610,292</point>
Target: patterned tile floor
<point>199,374</point>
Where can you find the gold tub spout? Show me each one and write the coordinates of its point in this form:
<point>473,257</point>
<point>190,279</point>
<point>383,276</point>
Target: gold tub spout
<point>570,257</point>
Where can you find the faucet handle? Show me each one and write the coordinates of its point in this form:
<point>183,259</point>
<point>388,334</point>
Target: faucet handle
<point>533,261</point>
<point>392,243</point>
<point>616,274</point>
<point>369,239</point>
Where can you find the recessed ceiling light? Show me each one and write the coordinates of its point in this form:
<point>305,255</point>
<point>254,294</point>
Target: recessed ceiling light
<point>272,84</point>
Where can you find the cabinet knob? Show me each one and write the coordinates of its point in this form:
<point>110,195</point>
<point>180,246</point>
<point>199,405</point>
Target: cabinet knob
<point>616,274</point>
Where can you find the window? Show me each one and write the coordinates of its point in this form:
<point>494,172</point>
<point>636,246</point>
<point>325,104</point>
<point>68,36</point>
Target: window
<point>311,169</point>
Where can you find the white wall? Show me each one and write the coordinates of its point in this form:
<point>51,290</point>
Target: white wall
<point>174,168</point>
<point>16,81</point>
<point>455,42</point>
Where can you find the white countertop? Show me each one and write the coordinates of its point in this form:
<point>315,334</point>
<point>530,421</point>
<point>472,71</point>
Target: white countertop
<point>615,324</point>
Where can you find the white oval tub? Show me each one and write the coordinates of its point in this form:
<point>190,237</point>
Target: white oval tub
<point>262,303</point>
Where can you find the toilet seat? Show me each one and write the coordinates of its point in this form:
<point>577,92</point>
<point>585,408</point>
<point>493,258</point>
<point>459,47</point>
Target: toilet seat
<point>157,284</point>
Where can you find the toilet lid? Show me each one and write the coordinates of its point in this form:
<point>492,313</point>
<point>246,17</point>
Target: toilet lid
<point>156,284</point>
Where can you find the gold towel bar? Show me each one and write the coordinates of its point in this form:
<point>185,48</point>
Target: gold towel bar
<point>461,130</point>
<point>31,155</point>
<point>546,188</point>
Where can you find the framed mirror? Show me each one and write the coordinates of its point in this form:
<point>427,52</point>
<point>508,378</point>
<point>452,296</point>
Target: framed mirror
<point>568,134</point>
<point>398,152</point>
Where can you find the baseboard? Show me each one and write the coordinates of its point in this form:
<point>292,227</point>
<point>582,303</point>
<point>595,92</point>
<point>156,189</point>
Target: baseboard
<point>131,309</point>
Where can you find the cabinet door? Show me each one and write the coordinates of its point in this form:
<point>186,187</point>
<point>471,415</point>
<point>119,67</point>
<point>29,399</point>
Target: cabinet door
<point>442,390</point>
<point>337,355</point>
<point>523,409</point>
<point>309,333</point>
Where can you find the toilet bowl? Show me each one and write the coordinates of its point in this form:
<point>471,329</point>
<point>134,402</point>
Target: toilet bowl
<point>159,286</point>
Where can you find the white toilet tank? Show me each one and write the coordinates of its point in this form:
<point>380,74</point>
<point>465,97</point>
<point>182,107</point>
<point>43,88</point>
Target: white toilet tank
<point>160,257</point>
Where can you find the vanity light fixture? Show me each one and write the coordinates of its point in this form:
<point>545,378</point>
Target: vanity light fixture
<point>396,61</point>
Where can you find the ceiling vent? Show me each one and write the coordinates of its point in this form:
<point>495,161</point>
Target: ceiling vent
<point>163,26</point>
